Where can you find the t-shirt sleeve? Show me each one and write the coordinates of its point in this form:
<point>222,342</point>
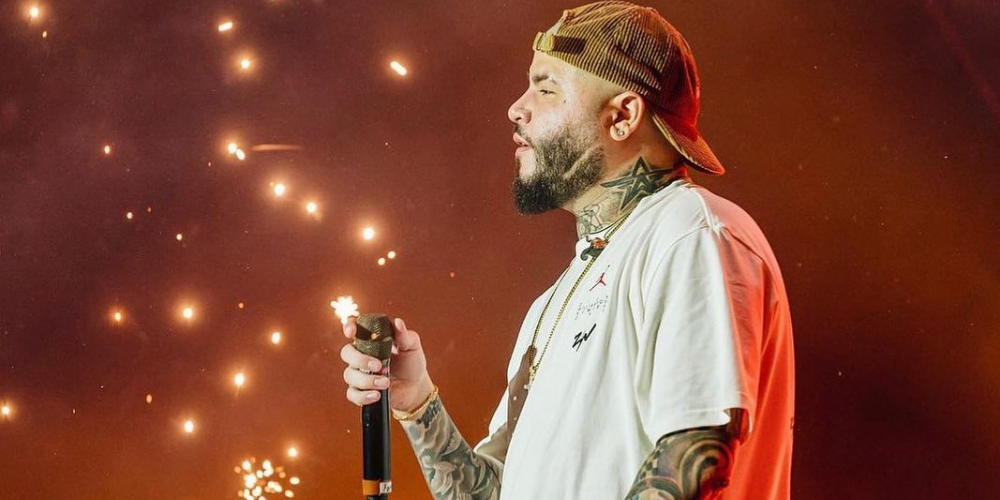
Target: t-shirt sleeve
<point>700,333</point>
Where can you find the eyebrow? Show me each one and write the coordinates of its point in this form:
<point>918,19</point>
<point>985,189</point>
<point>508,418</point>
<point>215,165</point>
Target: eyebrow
<point>536,79</point>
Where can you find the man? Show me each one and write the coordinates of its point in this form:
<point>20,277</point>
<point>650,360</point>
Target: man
<point>659,365</point>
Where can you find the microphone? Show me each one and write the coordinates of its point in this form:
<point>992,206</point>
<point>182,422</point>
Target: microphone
<point>374,338</point>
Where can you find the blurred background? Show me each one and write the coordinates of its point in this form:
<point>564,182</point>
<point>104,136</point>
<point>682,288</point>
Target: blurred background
<point>157,166</point>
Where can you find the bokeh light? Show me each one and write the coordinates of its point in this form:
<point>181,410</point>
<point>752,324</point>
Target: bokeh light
<point>398,68</point>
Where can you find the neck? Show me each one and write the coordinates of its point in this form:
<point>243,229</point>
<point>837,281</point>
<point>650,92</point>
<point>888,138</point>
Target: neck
<point>609,200</point>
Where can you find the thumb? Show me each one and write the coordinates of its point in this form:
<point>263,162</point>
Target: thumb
<point>406,340</point>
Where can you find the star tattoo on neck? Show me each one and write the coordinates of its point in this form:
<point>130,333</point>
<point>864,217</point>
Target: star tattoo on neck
<point>639,182</point>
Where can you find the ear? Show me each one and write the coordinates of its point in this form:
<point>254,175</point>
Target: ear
<point>627,112</point>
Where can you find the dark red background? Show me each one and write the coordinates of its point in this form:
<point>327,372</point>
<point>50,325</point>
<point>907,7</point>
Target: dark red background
<point>862,136</point>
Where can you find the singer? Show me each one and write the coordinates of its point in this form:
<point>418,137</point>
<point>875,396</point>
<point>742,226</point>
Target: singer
<point>659,364</point>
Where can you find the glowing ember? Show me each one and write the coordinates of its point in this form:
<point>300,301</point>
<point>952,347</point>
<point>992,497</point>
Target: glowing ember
<point>239,379</point>
<point>6,410</point>
<point>179,237</point>
<point>276,338</point>
<point>267,479</point>
<point>398,68</point>
<point>293,452</point>
<point>117,316</point>
<point>129,215</point>
<point>232,147</point>
<point>240,305</point>
<point>312,207</point>
<point>45,34</point>
<point>107,149</point>
<point>149,399</point>
<point>34,12</point>
<point>245,64</point>
<point>188,313</point>
<point>189,426</point>
<point>280,189</point>
<point>368,234</point>
<point>391,254</point>
<point>240,155</point>
<point>381,261</point>
<point>344,307</point>
<point>226,26</point>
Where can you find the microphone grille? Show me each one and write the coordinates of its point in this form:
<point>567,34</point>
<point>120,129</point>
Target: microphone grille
<point>374,336</point>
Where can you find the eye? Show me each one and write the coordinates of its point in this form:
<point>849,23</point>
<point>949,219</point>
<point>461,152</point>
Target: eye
<point>545,92</point>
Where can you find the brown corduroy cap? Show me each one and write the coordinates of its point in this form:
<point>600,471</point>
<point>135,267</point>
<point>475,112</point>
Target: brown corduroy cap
<point>635,48</point>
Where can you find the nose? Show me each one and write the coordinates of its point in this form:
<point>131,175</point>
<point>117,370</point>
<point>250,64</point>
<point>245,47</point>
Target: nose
<point>517,112</point>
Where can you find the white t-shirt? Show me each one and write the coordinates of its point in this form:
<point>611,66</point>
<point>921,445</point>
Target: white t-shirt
<point>683,316</point>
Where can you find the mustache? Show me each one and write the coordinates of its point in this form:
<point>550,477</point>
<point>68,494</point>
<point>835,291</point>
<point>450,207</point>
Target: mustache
<point>518,131</point>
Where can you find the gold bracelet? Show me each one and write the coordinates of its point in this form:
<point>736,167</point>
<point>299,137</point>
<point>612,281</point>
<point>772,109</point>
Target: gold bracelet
<point>403,416</point>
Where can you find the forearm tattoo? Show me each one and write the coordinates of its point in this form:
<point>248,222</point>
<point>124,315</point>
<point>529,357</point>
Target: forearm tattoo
<point>688,465</point>
<point>452,469</point>
<point>623,193</point>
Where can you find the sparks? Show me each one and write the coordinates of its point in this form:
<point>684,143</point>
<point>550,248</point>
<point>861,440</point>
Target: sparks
<point>391,254</point>
<point>189,426</point>
<point>267,479</point>
<point>179,237</point>
<point>293,452</point>
<point>280,189</point>
<point>312,207</point>
<point>344,307</point>
<point>226,26</point>
<point>276,338</point>
<point>240,155</point>
<point>149,399</point>
<point>381,261</point>
<point>34,12</point>
<point>368,233</point>
<point>398,68</point>
<point>245,64</point>
<point>232,147</point>
<point>6,410</point>
<point>107,149</point>
<point>239,380</point>
<point>129,215</point>
<point>117,316</point>
<point>188,313</point>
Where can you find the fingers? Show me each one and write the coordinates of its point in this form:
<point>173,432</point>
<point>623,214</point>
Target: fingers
<point>358,361</point>
<point>406,340</point>
<point>351,327</point>
<point>365,381</point>
<point>362,398</point>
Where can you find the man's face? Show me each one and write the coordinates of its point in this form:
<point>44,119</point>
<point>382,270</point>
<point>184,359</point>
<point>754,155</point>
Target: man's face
<point>556,128</point>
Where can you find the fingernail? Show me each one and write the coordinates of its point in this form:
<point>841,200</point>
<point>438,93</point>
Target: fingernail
<point>381,383</point>
<point>372,397</point>
<point>373,366</point>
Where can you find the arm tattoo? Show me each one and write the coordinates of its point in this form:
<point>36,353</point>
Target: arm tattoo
<point>624,192</point>
<point>688,465</point>
<point>452,469</point>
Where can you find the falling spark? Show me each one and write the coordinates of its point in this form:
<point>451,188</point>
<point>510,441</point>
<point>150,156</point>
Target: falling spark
<point>129,215</point>
<point>149,210</point>
<point>226,26</point>
<point>34,12</point>
<point>240,155</point>
<point>179,237</point>
<point>452,274</point>
<point>240,305</point>
<point>381,261</point>
<point>344,307</point>
<point>107,149</point>
<point>276,147</point>
<point>6,411</point>
<point>245,64</point>
<point>368,233</point>
<point>294,480</point>
<point>188,313</point>
<point>239,380</point>
<point>293,452</point>
<point>279,189</point>
<point>189,426</point>
<point>232,147</point>
<point>149,399</point>
<point>398,68</point>
<point>117,316</point>
<point>276,338</point>
<point>312,207</point>
<point>45,34</point>
<point>391,254</point>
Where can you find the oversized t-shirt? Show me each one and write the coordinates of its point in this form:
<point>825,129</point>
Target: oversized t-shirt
<point>683,316</point>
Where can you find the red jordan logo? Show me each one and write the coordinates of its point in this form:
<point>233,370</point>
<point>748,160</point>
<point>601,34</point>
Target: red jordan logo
<point>600,281</point>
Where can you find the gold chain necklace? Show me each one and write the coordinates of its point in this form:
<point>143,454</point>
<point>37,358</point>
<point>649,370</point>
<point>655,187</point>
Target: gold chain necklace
<point>597,244</point>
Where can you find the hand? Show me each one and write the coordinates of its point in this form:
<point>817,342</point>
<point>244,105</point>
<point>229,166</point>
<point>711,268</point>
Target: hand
<point>408,379</point>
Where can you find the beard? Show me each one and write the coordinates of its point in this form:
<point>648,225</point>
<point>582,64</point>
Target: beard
<point>571,151</point>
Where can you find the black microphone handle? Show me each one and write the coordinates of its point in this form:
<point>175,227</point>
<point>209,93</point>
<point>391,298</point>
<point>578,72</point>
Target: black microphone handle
<point>375,442</point>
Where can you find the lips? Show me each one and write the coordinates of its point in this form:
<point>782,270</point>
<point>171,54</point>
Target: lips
<point>520,141</point>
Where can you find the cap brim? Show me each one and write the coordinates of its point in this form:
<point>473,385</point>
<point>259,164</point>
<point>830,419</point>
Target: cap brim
<point>689,142</point>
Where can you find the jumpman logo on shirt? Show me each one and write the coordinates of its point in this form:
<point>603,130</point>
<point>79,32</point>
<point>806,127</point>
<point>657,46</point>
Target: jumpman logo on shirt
<point>600,281</point>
